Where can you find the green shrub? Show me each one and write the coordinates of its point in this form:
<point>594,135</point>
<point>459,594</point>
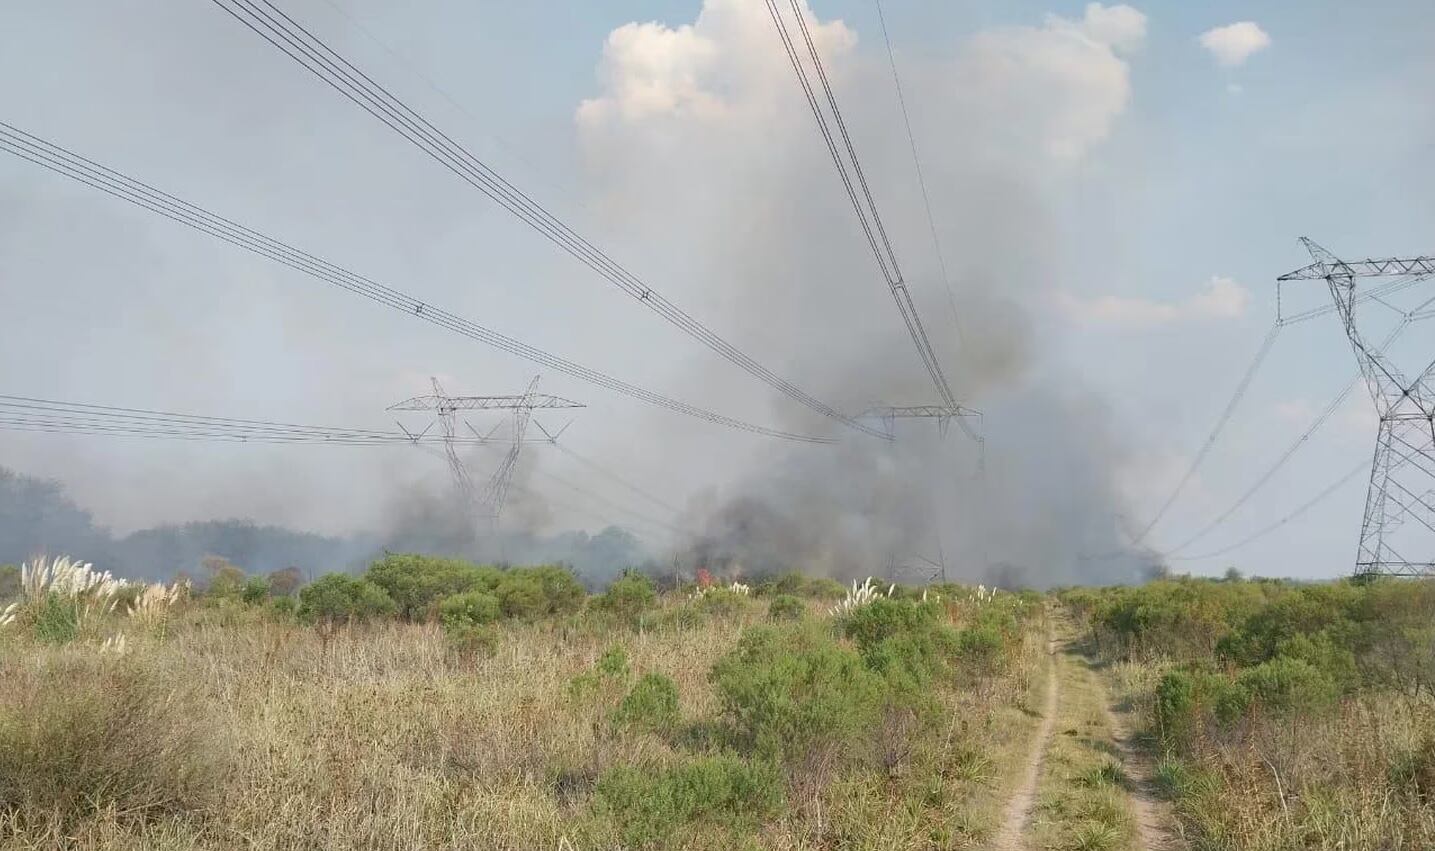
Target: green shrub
<point>9,582</point>
<point>1188,700</point>
<point>628,597</point>
<point>84,734</point>
<point>789,691</point>
<point>339,598</point>
<point>613,662</point>
<point>607,673</point>
<point>472,608</point>
<point>785,607</point>
<point>823,588</point>
<point>658,807</point>
<point>885,618</point>
<point>1288,686</point>
<point>416,583</point>
<point>1302,611</point>
<point>908,642</point>
<point>467,637</point>
<point>721,601</point>
<point>535,592</point>
<point>254,590</point>
<point>56,620</point>
<point>652,705</point>
<point>283,608</point>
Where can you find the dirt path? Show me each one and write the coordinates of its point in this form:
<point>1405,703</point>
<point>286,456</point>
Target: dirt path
<point>1018,811</point>
<point>1153,816</point>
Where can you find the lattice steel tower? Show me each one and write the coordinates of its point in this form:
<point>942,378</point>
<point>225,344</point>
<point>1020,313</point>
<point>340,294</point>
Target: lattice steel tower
<point>1397,534</point>
<point>495,494</point>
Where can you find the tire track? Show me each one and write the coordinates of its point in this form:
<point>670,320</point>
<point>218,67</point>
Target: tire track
<point>1153,816</point>
<point>1018,810</point>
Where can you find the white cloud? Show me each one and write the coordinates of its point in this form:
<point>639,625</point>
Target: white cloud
<point>1234,43</point>
<point>725,62</point>
<point>1059,87</point>
<point>1121,27</point>
<point>1219,298</point>
<point>1025,93</point>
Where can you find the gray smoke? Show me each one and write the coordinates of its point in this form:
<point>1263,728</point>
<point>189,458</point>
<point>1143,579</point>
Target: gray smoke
<point>1001,129</point>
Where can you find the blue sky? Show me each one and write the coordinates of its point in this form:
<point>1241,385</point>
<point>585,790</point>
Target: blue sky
<point>1091,269</point>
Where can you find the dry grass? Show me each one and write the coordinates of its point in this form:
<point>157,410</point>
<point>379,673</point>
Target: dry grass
<point>385,737</point>
<point>1348,781</point>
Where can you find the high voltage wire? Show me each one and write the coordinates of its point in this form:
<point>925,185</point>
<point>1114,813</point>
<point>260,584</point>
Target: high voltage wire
<point>653,523</point>
<point>1295,447</point>
<point>854,180</point>
<point>28,413</point>
<point>596,467</point>
<point>289,37</point>
<point>1261,533</point>
<point>922,181</point>
<point>1221,421</point>
<point>69,164</point>
<point>49,416</point>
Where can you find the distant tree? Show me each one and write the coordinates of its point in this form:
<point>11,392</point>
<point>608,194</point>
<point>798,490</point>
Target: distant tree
<point>1233,575</point>
<point>224,578</point>
<point>283,583</point>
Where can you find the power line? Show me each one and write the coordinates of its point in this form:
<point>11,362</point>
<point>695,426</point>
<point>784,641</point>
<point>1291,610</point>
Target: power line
<point>849,170</point>
<point>922,181</point>
<point>596,467</point>
<point>69,164</point>
<point>1261,533</point>
<point>1290,452</point>
<point>28,413</point>
<point>1221,421</point>
<point>50,416</point>
<point>305,48</point>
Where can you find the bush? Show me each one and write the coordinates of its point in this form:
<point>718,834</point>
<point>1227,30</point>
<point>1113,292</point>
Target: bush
<point>628,597</point>
<point>1188,700</point>
<point>721,601</point>
<point>85,734</point>
<point>473,608</point>
<point>613,662</point>
<point>790,691</point>
<point>785,607</point>
<point>254,590</point>
<point>608,672</point>
<point>885,618</point>
<point>1288,686</point>
<point>533,592</point>
<point>340,598</point>
<point>416,583</point>
<point>473,638</point>
<point>652,705</point>
<point>655,807</point>
<point>56,620</point>
<point>283,608</point>
<point>9,582</point>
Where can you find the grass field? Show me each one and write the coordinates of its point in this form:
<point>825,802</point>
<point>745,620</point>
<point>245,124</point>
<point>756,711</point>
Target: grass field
<point>433,704</point>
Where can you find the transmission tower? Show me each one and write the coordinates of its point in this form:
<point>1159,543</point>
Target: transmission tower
<point>1397,533</point>
<point>490,503</point>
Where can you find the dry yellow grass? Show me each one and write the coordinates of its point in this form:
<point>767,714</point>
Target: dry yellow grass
<point>385,737</point>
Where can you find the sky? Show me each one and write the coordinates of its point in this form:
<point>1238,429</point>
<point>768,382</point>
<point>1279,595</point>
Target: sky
<point>1114,189</point>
